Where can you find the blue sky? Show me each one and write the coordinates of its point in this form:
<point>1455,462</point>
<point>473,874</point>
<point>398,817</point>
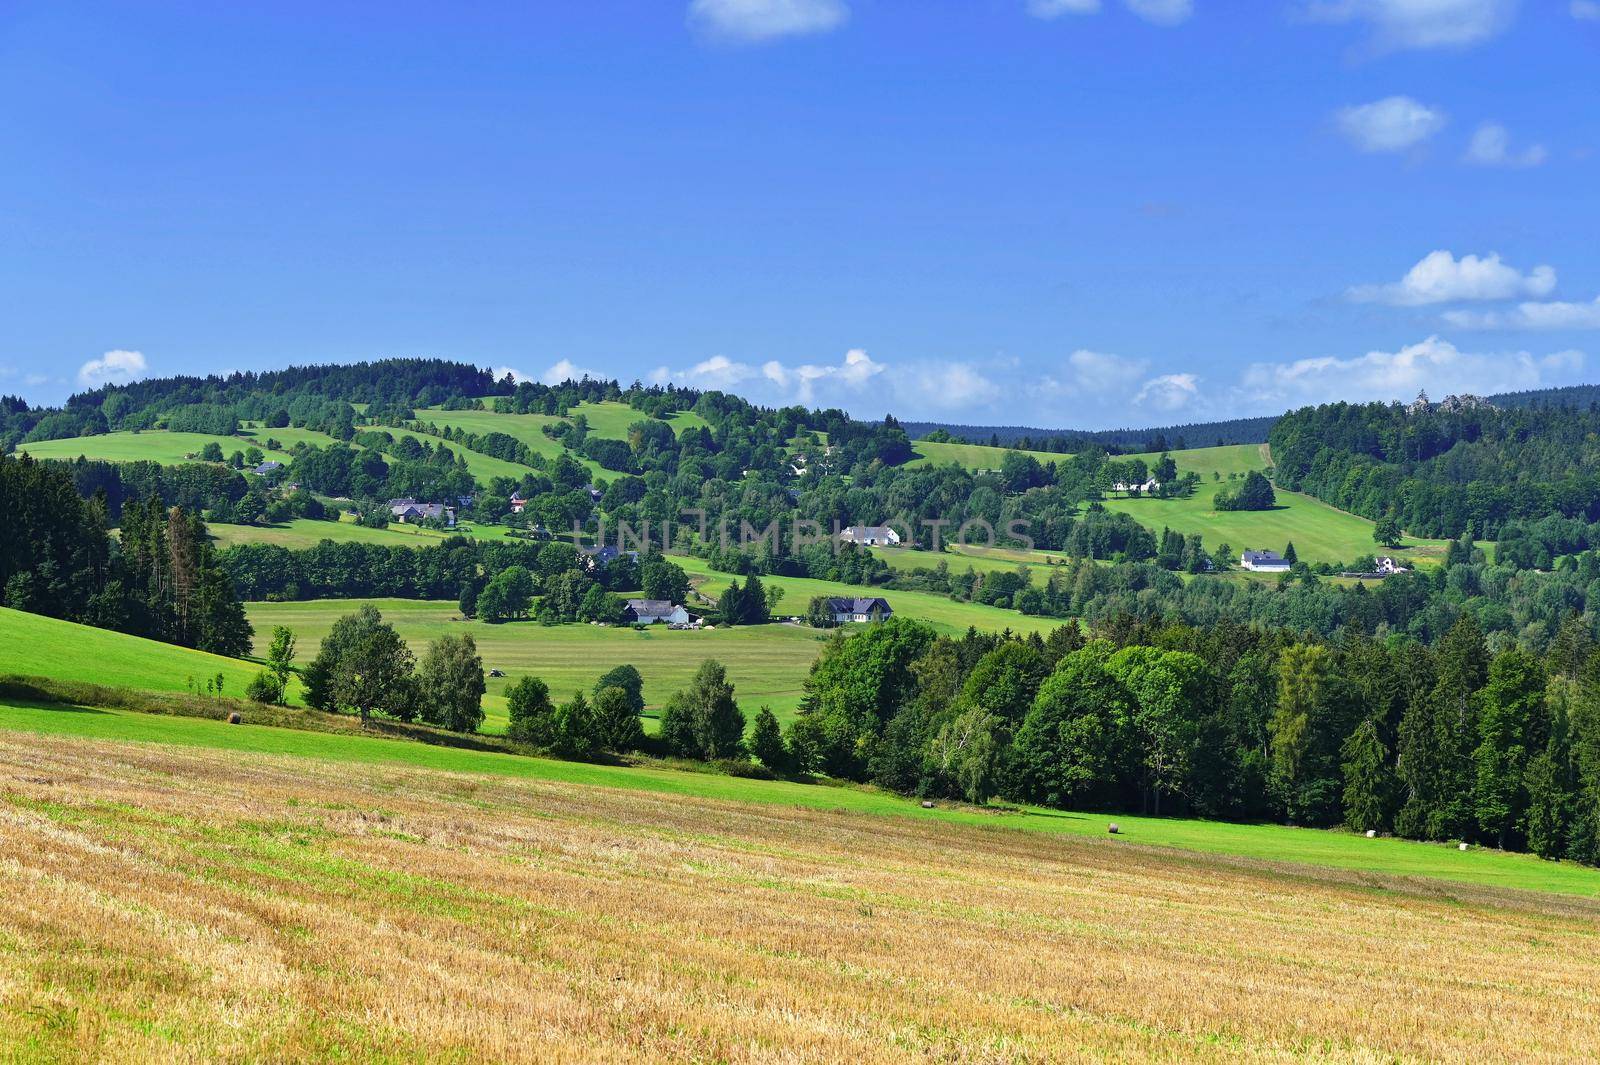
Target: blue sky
<point>1056,212</point>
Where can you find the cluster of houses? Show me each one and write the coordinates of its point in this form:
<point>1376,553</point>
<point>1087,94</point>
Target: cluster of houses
<point>842,610</point>
<point>1272,562</point>
<point>1148,487</point>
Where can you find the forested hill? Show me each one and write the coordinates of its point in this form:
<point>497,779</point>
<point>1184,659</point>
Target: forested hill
<point>1445,468</point>
<point>1161,438</point>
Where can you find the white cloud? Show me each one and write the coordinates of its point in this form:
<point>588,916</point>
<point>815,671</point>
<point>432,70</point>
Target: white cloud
<point>563,370</point>
<point>755,21</point>
<point>802,382</point>
<point>942,386</point>
<point>1491,146</point>
<point>1095,373</point>
<point>1156,12</point>
<point>1434,365</point>
<point>1531,315</point>
<point>1169,392</point>
<point>113,368</point>
<point>1392,124</point>
<point>1162,12</point>
<point>1586,10</point>
<point>1057,8</point>
<point>1402,24</point>
<point>1442,278</point>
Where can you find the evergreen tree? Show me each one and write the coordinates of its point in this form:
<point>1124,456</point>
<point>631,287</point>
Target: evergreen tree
<point>530,712</point>
<point>766,741</point>
<point>1508,727</point>
<point>1368,781</point>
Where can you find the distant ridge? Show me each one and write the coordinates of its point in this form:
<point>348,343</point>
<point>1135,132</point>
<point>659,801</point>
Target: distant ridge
<point>1160,438</point>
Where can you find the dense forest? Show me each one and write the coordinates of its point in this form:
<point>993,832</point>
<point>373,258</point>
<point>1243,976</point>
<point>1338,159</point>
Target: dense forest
<point>1124,441</point>
<point>1442,469</point>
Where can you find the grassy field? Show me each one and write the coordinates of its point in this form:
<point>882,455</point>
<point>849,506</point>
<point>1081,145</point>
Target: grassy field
<point>35,646</point>
<point>330,901</point>
<point>528,428</point>
<point>612,420</point>
<point>969,456</point>
<point>154,445</point>
<point>1319,532</point>
<point>766,663</point>
<point>944,614</point>
<point>305,532</point>
<point>1226,460</point>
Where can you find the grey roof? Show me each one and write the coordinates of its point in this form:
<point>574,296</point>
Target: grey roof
<point>1263,556</point>
<point>651,608</point>
<point>267,467</point>
<point>859,606</point>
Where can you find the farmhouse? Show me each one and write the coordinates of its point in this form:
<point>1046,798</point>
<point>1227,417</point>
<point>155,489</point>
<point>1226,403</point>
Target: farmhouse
<point>870,536</point>
<point>517,502</point>
<point>267,467</point>
<point>594,558</point>
<point>848,610</point>
<point>1152,485</point>
<point>410,511</point>
<point>1264,562</point>
<point>655,612</point>
<point>1387,566</point>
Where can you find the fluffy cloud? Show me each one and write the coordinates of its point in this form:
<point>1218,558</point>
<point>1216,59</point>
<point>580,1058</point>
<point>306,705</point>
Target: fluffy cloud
<point>1162,12</point>
<point>1586,10</point>
<point>113,368</point>
<point>1442,278</point>
<point>1402,24</point>
<point>1434,365</point>
<point>1392,124</point>
<point>755,21</point>
<point>802,381</point>
<point>1491,146</point>
<point>1169,392</point>
<point>1095,373</point>
<point>1531,315</point>
<point>1156,12</point>
<point>943,386</point>
<point>564,370</point>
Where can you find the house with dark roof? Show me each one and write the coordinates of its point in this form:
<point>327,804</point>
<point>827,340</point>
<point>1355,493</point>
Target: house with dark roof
<point>655,612</point>
<point>870,536</point>
<point>1264,562</point>
<point>267,467</point>
<point>845,611</point>
<point>410,511</point>
<point>594,558</point>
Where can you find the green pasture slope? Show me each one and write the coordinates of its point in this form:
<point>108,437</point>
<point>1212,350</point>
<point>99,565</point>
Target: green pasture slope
<point>1290,846</point>
<point>767,664</point>
<point>612,420</point>
<point>154,445</point>
<point>527,428</point>
<point>306,532</point>
<point>35,646</point>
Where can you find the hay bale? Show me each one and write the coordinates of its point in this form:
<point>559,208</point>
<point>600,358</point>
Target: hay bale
<point>1113,829</point>
<point>1462,846</point>
<point>234,718</point>
<point>927,804</point>
<point>1372,833</point>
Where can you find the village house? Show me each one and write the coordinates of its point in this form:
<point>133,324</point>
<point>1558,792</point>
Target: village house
<point>655,612</point>
<point>267,467</point>
<point>845,611</point>
<point>870,536</point>
<point>409,511</point>
<point>1152,485</point>
<point>517,502</point>
<point>1387,566</point>
<point>1264,562</point>
<point>595,558</point>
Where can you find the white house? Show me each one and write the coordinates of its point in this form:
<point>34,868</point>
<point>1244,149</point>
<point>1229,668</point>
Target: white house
<point>1388,566</point>
<point>656,611</point>
<point>870,536</point>
<point>1147,487</point>
<point>1264,562</point>
<point>847,610</point>
<point>409,510</point>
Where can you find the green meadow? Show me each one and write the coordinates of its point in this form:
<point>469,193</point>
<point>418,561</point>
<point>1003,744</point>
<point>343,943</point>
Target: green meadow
<point>527,428</point>
<point>1314,847</point>
<point>158,445</point>
<point>612,420</point>
<point>767,664</point>
<point>36,646</point>
<point>306,532</point>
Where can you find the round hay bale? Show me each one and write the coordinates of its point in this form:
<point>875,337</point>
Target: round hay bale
<point>1462,846</point>
<point>1372,833</point>
<point>927,804</point>
<point>234,718</point>
<point>1113,828</point>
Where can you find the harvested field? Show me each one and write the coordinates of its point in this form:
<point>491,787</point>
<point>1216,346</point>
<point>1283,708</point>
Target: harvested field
<point>161,904</point>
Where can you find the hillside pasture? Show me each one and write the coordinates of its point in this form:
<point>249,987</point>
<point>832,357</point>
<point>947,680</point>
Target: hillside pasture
<point>342,898</point>
<point>526,428</point>
<point>154,445</point>
<point>35,646</point>
<point>767,664</point>
<point>305,532</point>
<point>612,420</point>
<point>1319,532</point>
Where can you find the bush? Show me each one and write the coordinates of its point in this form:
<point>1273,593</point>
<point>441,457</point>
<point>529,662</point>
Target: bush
<point>264,688</point>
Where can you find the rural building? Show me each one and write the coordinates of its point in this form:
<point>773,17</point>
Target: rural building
<point>1264,562</point>
<point>1388,566</point>
<point>870,536</point>
<point>267,467</point>
<point>1152,485</point>
<point>410,511</point>
<point>847,610</point>
<point>517,502</point>
<point>656,612</point>
<point>594,558</point>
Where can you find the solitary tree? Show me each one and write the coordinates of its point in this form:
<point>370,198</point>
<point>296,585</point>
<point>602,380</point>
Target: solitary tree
<point>450,684</point>
<point>280,656</point>
<point>703,721</point>
<point>616,721</point>
<point>1387,532</point>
